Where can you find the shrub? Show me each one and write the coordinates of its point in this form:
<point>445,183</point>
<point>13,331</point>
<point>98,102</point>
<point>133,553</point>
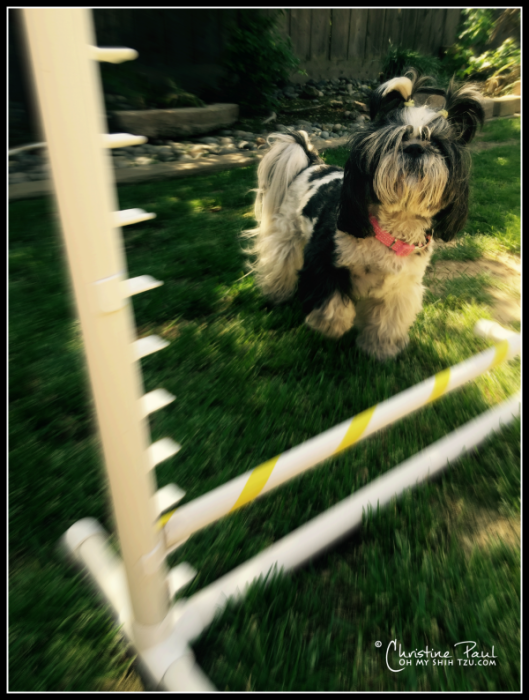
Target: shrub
<point>468,60</point>
<point>143,89</point>
<point>256,61</point>
<point>398,59</point>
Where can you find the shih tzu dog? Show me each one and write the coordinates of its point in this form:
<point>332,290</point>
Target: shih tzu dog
<point>356,242</point>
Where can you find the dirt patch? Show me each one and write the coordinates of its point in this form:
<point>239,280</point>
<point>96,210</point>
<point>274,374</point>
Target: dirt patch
<point>486,145</point>
<point>506,269</point>
<point>480,527</point>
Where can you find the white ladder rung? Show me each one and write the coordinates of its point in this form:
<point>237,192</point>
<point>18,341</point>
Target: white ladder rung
<point>122,140</point>
<point>161,450</point>
<point>180,576</point>
<point>137,285</point>
<point>112,55</point>
<point>146,346</point>
<point>167,497</point>
<point>155,400</point>
<point>126,217</point>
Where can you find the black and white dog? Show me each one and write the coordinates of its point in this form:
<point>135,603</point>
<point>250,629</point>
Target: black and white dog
<point>356,241</point>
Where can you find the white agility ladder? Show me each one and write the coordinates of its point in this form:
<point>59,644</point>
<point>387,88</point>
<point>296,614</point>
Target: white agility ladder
<point>139,587</point>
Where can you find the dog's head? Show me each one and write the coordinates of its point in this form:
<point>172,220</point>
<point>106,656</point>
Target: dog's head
<point>411,157</point>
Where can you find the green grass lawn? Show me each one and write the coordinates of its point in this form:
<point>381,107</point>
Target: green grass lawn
<point>251,381</point>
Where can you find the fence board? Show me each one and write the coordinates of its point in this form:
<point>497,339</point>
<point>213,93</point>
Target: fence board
<point>422,29</point>
<point>451,24</point>
<point>409,23</point>
<point>320,33</point>
<point>374,24</point>
<point>358,34</point>
<point>438,28</point>
<point>393,27</point>
<point>340,34</point>
<point>300,32</point>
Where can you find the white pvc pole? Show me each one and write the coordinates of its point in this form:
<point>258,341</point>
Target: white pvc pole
<point>229,497</point>
<point>328,528</point>
<point>69,93</point>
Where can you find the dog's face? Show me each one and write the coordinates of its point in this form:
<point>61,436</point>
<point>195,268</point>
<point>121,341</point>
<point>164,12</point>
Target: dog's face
<point>412,158</point>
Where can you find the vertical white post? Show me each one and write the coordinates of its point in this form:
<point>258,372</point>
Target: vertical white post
<point>69,92</point>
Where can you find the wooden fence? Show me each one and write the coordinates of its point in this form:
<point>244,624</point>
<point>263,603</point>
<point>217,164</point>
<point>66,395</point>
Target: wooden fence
<point>329,42</point>
<point>334,42</point>
<point>189,43</point>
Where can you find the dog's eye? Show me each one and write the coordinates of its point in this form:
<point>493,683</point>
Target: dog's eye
<point>425,133</point>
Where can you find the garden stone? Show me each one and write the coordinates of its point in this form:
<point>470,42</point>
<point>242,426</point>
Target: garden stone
<point>15,178</point>
<point>243,145</point>
<point>144,160</point>
<point>122,162</point>
<point>325,134</point>
<point>337,127</point>
<point>208,140</point>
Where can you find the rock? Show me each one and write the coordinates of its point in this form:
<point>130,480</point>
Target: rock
<point>243,145</point>
<point>226,132</point>
<point>348,114</point>
<point>325,134</point>
<point>337,127</point>
<point>361,106</point>
<point>208,139</point>
<point>224,150</point>
<point>310,91</point>
<point>144,160</point>
<point>122,162</point>
<point>170,123</point>
<point>197,150</point>
<point>16,178</point>
<point>259,140</point>
<point>336,103</point>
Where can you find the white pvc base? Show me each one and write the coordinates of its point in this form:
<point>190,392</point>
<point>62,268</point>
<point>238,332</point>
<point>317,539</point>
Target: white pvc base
<point>171,664</point>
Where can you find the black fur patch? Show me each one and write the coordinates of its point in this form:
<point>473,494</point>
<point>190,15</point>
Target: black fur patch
<point>320,277</point>
<point>322,172</point>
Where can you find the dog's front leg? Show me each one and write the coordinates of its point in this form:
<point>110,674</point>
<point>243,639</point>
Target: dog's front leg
<point>324,291</point>
<point>385,319</point>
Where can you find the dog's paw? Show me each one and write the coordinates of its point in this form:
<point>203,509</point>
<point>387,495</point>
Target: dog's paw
<point>382,349</point>
<point>334,319</point>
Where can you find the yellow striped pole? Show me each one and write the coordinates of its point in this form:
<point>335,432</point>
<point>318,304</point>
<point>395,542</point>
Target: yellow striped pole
<point>206,509</point>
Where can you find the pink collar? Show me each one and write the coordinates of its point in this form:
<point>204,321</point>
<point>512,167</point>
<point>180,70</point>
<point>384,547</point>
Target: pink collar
<point>400,248</point>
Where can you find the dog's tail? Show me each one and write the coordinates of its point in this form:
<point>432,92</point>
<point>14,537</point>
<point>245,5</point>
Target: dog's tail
<point>289,154</point>
<point>276,247</point>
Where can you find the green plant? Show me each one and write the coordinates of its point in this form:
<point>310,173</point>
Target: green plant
<point>467,58</point>
<point>397,59</point>
<point>256,60</point>
<point>144,88</point>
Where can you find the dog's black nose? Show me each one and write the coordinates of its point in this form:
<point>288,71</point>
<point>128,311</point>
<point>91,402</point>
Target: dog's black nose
<point>415,150</point>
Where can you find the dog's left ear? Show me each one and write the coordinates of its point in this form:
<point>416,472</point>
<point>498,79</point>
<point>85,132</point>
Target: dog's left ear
<point>465,112</point>
<point>449,221</point>
<point>390,95</point>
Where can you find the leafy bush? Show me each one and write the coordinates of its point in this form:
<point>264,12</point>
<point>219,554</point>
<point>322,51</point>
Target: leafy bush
<point>256,61</point>
<point>467,58</point>
<point>143,89</point>
<point>398,59</point>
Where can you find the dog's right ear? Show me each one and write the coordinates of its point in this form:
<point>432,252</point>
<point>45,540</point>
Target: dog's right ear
<point>390,95</point>
<point>353,214</point>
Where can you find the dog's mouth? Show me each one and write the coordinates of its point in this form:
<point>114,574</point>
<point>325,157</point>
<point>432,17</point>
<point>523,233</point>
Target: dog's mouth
<point>414,181</point>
